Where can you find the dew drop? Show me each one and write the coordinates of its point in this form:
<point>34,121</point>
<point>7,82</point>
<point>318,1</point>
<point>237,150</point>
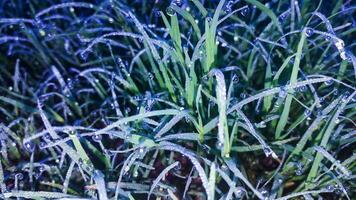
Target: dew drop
<point>245,11</point>
<point>150,76</point>
<point>178,167</point>
<point>282,17</point>
<point>80,162</point>
<point>29,146</point>
<point>42,145</point>
<point>178,2</point>
<point>236,38</point>
<point>298,172</point>
<point>219,144</point>
<point>170,11</point>
<point>141,150</point>
<point>67,45</point>
<point>267,151</point>
<point>330,188</point>
<point>307,113</point>
<point>339,44</point>
<point>280,180</point>
<point>262,124</point>
<point>282,93</point>
<point>127,168</point>
<point>97,138</point>
<point>37,175</point>
<point>239,193</point>
<point>42,32</point>
<point>47,136</point>
<point>329,82</point>
<point>41,168</point>
<point>235,78</point>
<point>337,121</point>
<point>345,96</point>
<point>336,92</point>
<point>19,176</point>
<point>70,83</point>
<point>264,193</point>
<point>83,55</point>
<point>309,32</point>
<point>303,88</point>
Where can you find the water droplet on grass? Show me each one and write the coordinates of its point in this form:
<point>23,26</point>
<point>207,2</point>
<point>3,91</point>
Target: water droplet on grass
<point>262,124</point>
<point>245,11</point>
<point>330,188</point>
<point>236,38</point>
<point>298,172</point>
<point>309,32</point>
<point>42,145</point>
<point>303,88</point>
<point>178,167</point>
<point>29,146</point>
<point>337,121</point>
<point>150,76</point>
<point>19,176</point>
<point>83,56</point>
<point>178,2</point>
<point>267,151</point>
<point>97,138</point>
<point>283,93</point>
<point>42,32</point>
<point>41,168</point>
<point>239,193</point>
<point>345,96</point>
<point>219,145</point>
<point>235,78</point>
<point>264,193</point>
<point>170,11</point>
<point>336,92</point>
<point>329,82</point>
<point>307,113</point>
<point>282,17</point>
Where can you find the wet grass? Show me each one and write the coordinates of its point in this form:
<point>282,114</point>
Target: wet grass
<point>177,100</point>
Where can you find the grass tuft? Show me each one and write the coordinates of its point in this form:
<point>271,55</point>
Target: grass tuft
<point>178,99</point>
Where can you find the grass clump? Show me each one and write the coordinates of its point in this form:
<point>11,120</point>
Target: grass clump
<point>177,99</point>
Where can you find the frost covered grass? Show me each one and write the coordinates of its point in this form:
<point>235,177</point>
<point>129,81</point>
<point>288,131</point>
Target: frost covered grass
<point>152,99</point>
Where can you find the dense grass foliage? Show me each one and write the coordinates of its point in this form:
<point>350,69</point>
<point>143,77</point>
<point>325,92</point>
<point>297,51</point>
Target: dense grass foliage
<point>159,99</point>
